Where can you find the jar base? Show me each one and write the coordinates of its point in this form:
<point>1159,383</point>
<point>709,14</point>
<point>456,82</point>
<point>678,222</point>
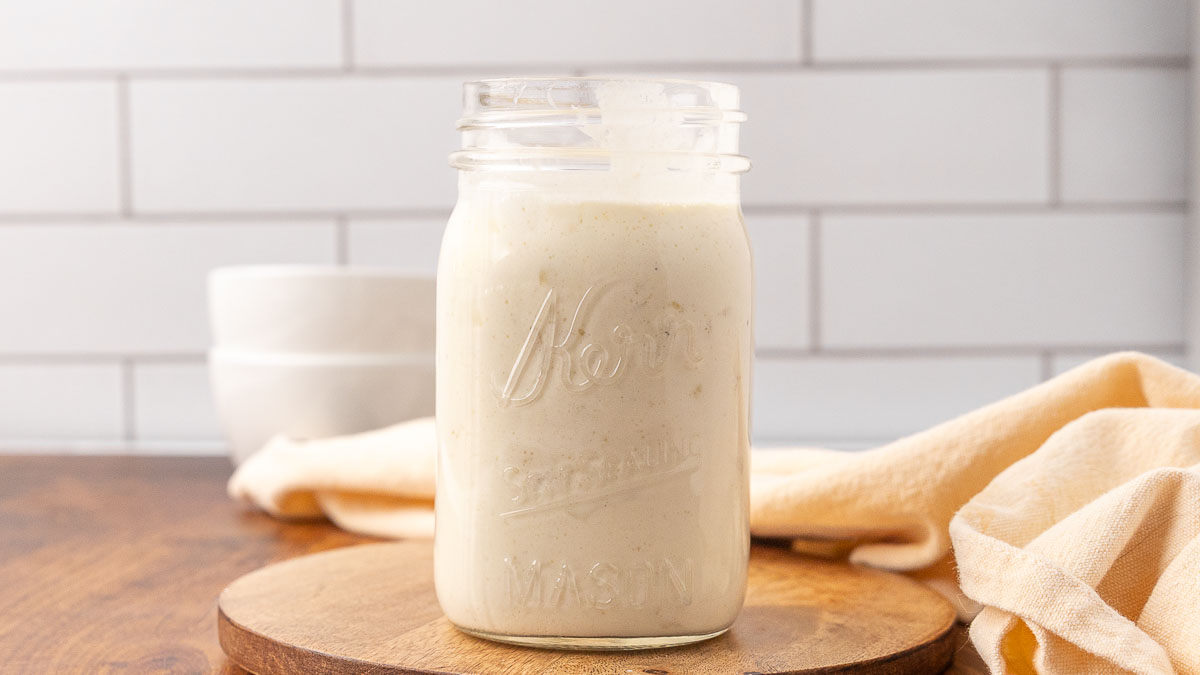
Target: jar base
<point>592,643</point>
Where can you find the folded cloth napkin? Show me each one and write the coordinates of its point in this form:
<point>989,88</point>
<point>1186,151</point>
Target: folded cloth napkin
<point>1073,509</point>
<point>378,483</point>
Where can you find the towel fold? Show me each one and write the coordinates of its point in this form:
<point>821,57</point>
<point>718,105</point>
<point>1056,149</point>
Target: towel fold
<point>378,483</point>
<point>1073,510</point>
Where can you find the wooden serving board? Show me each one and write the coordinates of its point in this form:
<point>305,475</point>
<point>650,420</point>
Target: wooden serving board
<point>372,608</point>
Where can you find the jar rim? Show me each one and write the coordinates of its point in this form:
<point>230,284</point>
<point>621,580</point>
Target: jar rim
<point>489,103</point>
<point>588,123</point>
<point>580,159</point>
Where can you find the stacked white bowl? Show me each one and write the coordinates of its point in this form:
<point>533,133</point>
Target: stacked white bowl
<point>313,352</point>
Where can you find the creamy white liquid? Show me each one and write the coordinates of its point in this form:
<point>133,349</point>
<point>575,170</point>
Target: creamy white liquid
<point>592,398</point>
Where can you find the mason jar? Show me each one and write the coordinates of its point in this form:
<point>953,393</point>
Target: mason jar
<point>594,355</point>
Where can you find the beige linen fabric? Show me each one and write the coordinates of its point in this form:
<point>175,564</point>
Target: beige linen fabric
<point>378,483</point>
<point>1073,509</point>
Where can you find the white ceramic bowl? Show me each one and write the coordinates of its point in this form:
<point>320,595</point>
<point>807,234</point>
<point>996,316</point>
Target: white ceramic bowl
<point>261,395</point>
<point>320,309</point>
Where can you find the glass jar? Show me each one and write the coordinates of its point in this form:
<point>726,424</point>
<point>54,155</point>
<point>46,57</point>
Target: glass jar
<point>594,355</point>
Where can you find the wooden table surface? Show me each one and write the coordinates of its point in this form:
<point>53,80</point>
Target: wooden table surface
<point>114,564</point>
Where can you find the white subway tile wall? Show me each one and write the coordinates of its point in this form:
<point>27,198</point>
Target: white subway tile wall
<point>127,290</point>
<point>296,144</point>
<point>1064,361</point>
<point>851,31</point>
<point>410,245</point>
<point>61,402</point>
<point>59,147</point>
<point>1014,280</point>
<point>172,404</point>
<point>541,34</point>
<point>146,35</point>
<point>1123,135</point>
<point>840,137</point>
<point>867,400</point>
<point>782,277</point>
<point>951,201</point>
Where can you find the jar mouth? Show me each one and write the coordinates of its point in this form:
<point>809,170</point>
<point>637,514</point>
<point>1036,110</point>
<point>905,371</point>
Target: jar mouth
<point>546,100</point>
<point>496,119</point>
<point>585,123</point>
<point>541,159</point>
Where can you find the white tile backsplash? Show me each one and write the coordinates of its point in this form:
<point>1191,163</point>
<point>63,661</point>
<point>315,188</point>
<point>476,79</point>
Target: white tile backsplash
<point>293,144</point>
<point>58,147</point>
<point>1001,280</point>
<point>896,136</point>
<point>1124,134</point>
<point>149,34</point>
<point>60,402</point>
<point>129,289</point>
<point>546,32</point>
<point>944,30</point>
<point>815,400</point>
<point>949,199</point>
<point>781,280</point>
<point>174,403</point>
<point>1061,363</point>
<point>411,245</point>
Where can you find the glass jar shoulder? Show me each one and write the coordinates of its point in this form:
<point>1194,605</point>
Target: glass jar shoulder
<point>489,229</point>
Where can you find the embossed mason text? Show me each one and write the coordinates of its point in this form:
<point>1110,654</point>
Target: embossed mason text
<point>601,585</point>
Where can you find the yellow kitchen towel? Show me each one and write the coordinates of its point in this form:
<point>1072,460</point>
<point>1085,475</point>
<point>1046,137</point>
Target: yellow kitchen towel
<point>378,483</point>
<point>1073,509</point>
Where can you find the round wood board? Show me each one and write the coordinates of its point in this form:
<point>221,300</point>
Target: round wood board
<point>372,608</point>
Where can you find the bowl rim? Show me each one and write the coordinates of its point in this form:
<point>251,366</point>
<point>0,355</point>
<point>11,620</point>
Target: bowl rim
<point>238,357</point>
<point>316,271</point>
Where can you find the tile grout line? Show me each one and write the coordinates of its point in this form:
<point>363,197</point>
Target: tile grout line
<point>50,358</point>
<point>471,69</point>
<point>1054,136</point>
<point>341,233</point>
<point>954,208</point>
<point>806,32</point>
<point>128,399</point>
<point>236,217</point>
<point>199,447</point>
<point>125,147</point>
<point>928,208</point>
<point>939,351</point>
<point>1046,359</point>
<point>949,351</point>
<point>814,281</point>
<point>348,35</point>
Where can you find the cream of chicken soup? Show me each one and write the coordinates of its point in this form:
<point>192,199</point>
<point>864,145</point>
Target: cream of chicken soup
<point>594,369</point>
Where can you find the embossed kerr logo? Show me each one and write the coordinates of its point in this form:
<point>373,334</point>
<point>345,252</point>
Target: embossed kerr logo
<point>561,341</point>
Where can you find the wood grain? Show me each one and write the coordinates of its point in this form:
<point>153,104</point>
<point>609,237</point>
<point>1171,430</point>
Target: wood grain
<point>114,564</point>
<point>373,607</point>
